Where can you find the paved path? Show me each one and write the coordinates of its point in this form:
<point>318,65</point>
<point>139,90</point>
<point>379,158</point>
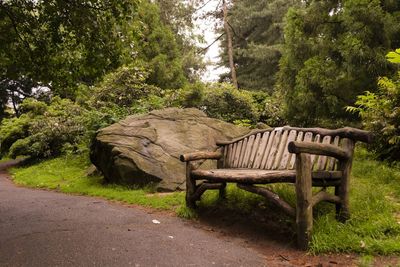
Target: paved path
<point>41,228</point>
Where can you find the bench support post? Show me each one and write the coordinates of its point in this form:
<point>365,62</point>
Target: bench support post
<point>342,191</point>
<point>304,212</point>
<point>190,186</point>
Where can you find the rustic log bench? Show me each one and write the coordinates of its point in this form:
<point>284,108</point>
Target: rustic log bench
<point>306,157</point>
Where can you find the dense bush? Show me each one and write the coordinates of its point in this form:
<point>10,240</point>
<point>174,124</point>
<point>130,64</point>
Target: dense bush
<point>380,113</point>
<point>225,102</point>
<point>43,130</point>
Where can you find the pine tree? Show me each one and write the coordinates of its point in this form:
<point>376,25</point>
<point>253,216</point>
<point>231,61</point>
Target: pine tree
<point>257,27</point>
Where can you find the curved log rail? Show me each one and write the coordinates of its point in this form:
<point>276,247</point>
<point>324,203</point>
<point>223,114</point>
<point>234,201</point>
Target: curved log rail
<point>271,196</point>
<point>346,132</point>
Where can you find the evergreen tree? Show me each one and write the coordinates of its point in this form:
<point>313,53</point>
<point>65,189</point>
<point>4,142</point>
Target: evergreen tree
<point>335,50</point>
<point>180,17</point>
<point>257,27</point>
<point>158,49</point>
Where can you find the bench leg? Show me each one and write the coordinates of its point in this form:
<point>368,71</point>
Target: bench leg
<point>304,212</point>
<point>342,208</point>
<point>190,187</point>
<point>222,191</point>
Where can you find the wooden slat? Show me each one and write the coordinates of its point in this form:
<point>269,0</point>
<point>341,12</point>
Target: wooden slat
<point>267,149</point>
<point>292,156</point>
<point>237,154</point>
<point>248,151</point>
<point>273,150</point>
<point>332,161</point>
<point>231,154</point>
<point>261,149</point>
<point>286,155</point>
<point>235,147</point>
<point>281,150</point>
<point>242,152</point>
<point>254,150</point>
<point>227,150</point>
<point>322,159</point>
<point>314,158</point>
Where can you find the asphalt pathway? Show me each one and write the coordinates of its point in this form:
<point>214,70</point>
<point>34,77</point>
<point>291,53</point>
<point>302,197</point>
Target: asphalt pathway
<point>42,228</point>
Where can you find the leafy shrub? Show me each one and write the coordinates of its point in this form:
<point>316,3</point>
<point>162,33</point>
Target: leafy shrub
<point>43,130</point>
<point>380,113</point>
<point>122,88</point>
<point>222,101</point>
<point>225,102</point>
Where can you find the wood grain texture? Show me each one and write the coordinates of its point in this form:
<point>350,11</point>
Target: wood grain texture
<point>284,162</point>
<point>321,163</point>
<point>200,155</point>
<point>263,176</point>
<point>343,211</point>
<point>282,147</point>
<point>314,158</point>
<point>292,162</point>
<point>248,151</point>
<point>256,145</point>
<point>271,153</point>
<point>346,132</point>
<point>261,150</point>
<point>304,212</point>
<point>324,196</point>
<point>243,152</point>
<point>331,164</point>
<point>237,154</point>
<point>319,149</point>
<point>271,196</point>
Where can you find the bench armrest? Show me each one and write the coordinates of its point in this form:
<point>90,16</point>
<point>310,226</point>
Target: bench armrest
<point>200,155</point>
<point>318,149</point>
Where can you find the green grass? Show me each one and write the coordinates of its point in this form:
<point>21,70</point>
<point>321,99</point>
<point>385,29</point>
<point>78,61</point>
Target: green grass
<point>374,227</point>
<point>67,174</point>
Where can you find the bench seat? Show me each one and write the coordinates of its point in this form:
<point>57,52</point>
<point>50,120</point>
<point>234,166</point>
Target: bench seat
<point>254,176</point>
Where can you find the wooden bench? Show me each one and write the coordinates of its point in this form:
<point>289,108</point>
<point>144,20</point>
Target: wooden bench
<point>306,157</point>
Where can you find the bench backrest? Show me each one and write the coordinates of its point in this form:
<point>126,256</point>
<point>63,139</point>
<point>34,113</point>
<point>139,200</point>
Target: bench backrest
<point>268,149</point>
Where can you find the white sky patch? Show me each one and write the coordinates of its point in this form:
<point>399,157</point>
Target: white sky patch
<point>206,27</point>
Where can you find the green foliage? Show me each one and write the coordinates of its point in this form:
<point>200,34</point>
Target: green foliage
<point>257,41</point>
<point>222,101</point>
<point>159,49</point>
<point>334,50</point>
<point>394,56</point>
<point>66,45</point>
<point>122,88</point>
<point>11,130</point>
<point>61,44</point>
<point>45,130</point>
<point>380,113</point>
<point>375,206</point>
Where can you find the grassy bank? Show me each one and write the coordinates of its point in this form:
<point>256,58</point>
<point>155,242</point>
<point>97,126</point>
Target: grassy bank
<point>374,227</point>
<point>68,175</point>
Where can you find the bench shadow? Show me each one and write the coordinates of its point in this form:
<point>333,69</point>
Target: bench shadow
<point>264,227</point>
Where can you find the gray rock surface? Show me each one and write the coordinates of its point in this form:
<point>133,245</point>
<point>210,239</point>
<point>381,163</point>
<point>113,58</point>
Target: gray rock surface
<point>144,149</point>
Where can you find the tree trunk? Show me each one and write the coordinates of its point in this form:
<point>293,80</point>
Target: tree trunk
<point>229,42</point>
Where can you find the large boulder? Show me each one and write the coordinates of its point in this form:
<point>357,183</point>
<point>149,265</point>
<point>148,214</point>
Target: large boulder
<point>143,149</point>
